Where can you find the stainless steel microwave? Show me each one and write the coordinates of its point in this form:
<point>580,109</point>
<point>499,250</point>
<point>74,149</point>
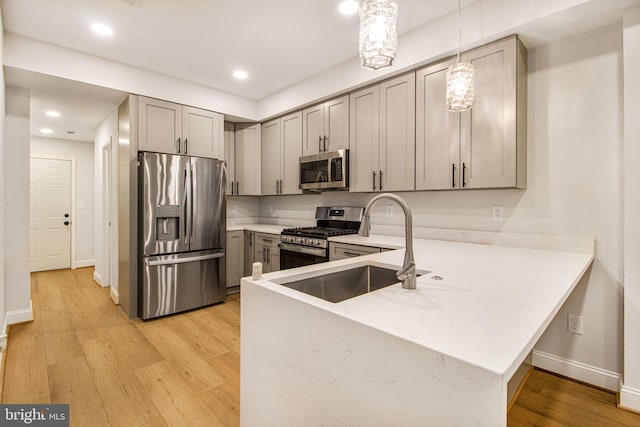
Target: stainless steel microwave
<point>325,171</point>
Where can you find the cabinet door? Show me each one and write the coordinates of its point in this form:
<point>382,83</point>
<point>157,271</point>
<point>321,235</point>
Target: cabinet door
<point>274,259</point>
<point>488,130</point>
<point>260,255</point>
<point>230,156</point>
<point>235,257</point>
<point>271,157</point>
<point>336,124</point>
<point>397,133</point>
<point>437,131</point>
<point>248,160</point>
<point>312,130</point>
<point>291,133</point>
<point>159,126</point>
<point>364,128</point>
<point>202,132</point>
<point>249,252</point>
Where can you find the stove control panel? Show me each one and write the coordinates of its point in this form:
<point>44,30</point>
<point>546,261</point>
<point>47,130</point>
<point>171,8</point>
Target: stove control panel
<point>305,241</point>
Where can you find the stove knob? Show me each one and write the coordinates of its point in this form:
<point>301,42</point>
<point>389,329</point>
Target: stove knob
<point>316,242</point>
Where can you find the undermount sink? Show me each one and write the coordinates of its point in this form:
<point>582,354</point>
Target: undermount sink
<point>342,285</point>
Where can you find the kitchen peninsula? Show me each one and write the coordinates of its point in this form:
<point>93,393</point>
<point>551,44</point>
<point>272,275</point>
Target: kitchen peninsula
<point>442,354</point>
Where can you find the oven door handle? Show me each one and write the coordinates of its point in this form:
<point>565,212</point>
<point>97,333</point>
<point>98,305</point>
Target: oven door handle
<point>303,249</point>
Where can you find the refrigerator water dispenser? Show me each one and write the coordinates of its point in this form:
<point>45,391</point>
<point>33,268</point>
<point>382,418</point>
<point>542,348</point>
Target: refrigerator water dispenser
<point>167,222</point>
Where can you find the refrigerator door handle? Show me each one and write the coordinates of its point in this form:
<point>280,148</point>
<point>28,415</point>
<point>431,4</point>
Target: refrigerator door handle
<point>184,260</point>
<point>191,222</point>
<point>185,205</point>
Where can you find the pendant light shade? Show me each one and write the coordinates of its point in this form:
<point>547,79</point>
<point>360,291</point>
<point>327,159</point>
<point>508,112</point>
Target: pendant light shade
<point>460,92</point>
<point>378,37</point>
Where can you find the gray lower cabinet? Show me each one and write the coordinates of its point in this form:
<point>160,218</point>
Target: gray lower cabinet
<point>235,258</point>
<point>344,250</point>
<point>249,251</point>
<point>267,252</point>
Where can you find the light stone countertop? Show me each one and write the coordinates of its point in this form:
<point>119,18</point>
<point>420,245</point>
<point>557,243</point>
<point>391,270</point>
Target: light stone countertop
<point>260,228</point>
<point>490,308</point>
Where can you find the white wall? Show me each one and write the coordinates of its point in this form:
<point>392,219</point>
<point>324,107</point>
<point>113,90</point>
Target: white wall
<point>3,332</point>
<point>242,210</point>
<point>16,190</point>
<point>574,187</point>
<point>630,394</point>
<point>107,135</point>
<point>82,152</point>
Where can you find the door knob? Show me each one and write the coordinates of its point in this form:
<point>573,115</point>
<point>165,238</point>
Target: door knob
<point>66,223</point>
<point>66,215</point>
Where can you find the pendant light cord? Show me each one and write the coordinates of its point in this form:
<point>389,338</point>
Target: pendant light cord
<point>459,32</point>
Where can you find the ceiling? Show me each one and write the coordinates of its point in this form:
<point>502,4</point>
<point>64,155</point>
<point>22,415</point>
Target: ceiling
<point>278,42</point>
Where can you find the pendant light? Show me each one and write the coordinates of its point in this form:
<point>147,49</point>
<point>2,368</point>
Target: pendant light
<point>378,38</point>
<point>460,91</point>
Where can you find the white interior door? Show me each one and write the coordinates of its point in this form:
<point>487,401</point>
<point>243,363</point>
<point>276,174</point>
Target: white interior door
<point>50,209</point>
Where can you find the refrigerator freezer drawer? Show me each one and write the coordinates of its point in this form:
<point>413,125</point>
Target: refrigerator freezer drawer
<point>179,282</point>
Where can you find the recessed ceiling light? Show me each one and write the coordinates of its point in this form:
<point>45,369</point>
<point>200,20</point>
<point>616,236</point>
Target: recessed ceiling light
<point>240,74</point>
<point>52,113</point>
<point>101,29</point>
<point>349,7</point>
<point>46,131</point>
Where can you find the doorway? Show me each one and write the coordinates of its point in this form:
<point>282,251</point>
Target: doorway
<point>50,219</point>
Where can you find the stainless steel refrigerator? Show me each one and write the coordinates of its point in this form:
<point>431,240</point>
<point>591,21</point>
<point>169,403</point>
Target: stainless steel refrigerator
<point>182,207</point>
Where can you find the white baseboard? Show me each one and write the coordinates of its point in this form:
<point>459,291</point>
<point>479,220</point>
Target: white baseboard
<point>19,316</point>
<point>115,297</point>
<point>99,280</point>
<point>578,371</point>
<point>630,398</point>
<point>84,263</point>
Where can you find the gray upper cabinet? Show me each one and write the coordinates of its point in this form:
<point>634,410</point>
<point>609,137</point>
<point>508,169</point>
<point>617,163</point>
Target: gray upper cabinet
<point>166,127</point>
<point>484,147</point>
<point>281,150</point>
<point>437,131</point>
<point>247,160</point>
<point>494,132</point>
<point>325,127</point>
<point>203,133</point>
<point>382,132</point>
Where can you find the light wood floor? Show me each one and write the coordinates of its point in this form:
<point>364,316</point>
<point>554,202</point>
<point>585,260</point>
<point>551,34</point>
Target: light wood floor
<point>184,370</point>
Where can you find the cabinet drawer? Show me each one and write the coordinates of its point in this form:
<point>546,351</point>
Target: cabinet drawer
<point>269,240</point>
<point>342,251</point>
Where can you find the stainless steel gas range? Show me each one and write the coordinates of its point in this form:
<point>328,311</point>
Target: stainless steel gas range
<point>310,245</point>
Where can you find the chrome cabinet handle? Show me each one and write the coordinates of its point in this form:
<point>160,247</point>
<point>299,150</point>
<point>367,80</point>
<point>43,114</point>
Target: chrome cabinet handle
<point>374,180</point>
<point>325,143</point>
<point>464,169</point>
<point>232,188</point>
<point>237,188</point>
<point>380,180</point>
<point>268,255</point>
<point>185,146</point>
<point>320,144</point>
<point>178,144</point>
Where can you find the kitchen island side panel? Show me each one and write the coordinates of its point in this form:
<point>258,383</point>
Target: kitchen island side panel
<point>301,365</point>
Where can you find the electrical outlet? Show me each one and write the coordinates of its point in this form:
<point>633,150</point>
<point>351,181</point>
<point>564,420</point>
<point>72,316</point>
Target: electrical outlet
<point>497,213</point>
<point>575,324</point>
<point>234,208</point>
<point>389,210</point>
